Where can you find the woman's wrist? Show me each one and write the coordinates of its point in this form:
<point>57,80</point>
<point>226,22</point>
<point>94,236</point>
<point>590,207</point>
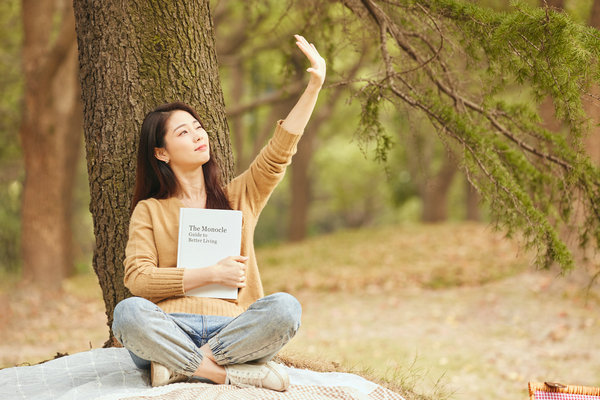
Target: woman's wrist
<point>197,277</point>
<point>211,274</point>
<point>314,87</point>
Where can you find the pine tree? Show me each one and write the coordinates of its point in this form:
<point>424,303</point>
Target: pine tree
<point>461,66</point>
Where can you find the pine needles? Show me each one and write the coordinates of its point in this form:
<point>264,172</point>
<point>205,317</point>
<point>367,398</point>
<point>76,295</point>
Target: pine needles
<point>455,62</point>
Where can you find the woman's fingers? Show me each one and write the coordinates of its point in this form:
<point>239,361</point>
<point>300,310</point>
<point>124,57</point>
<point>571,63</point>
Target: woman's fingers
<point>317,68</point>
<point>307,48</point>
<point>240,259</point>
<point>233,271</point>
<point>242,279</point>
<point>242,271</point>
<point>301,39</point>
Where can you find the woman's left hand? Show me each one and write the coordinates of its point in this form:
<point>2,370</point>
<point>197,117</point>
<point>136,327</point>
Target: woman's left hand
<point>317,63</point>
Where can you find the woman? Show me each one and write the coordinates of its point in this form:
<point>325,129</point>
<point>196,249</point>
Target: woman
<point>179,336</point>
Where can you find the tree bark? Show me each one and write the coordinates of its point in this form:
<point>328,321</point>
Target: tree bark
<point>592,141</point>
<point>472,202</point>
<point>134,56</point>
<point>237,124</point>
<point>546,107</point>
<point>300,186</point>
<point>434,192</point>
<point>300,179</point>
<point>559,4</point>
<point>432,184</point>
<point>50,136</point>
<point>595,14</point>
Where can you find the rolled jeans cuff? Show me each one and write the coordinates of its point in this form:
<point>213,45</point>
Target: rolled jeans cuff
<point>218,350</point>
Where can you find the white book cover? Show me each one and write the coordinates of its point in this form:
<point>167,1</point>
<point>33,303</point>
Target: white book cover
<point>207,236</point>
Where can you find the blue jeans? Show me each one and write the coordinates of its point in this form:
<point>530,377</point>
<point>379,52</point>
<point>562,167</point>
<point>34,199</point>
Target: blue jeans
<point>174,340</point>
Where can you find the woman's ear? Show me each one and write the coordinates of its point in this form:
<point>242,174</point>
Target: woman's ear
<point>161,154</point>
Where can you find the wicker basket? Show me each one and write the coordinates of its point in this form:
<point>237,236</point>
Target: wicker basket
<point>562,392</point>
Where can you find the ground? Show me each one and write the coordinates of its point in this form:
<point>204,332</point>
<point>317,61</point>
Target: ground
<point>452,311</point>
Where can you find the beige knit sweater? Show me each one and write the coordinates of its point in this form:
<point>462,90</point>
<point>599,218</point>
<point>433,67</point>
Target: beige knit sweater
<point>151,253</point>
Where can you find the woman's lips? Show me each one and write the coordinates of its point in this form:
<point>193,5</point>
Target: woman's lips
<point>201,148</point>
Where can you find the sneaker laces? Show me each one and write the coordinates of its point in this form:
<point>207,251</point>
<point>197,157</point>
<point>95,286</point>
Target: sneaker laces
<point>247,378</point>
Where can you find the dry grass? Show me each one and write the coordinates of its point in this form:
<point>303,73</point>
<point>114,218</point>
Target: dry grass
<point>395,381</point>
<point>36,326</point>
<point>393,257</point>
<point>419,309</point>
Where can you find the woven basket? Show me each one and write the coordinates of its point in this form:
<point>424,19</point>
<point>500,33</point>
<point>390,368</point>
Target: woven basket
<point>548,387</point>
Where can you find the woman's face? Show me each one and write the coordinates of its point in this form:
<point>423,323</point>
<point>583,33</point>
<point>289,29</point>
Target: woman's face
<point>186,142</point>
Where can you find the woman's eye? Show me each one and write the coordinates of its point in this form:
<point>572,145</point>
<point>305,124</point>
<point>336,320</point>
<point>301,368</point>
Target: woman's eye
<point>182,132</point>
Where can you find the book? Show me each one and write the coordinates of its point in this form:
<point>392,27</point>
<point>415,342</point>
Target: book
<point>207,236</point>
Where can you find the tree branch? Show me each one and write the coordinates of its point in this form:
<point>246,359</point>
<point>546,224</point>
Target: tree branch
<point>273,97</point>
<point>383,21</point>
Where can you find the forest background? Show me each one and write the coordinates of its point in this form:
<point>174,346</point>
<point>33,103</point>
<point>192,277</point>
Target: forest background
<point>338,180</point>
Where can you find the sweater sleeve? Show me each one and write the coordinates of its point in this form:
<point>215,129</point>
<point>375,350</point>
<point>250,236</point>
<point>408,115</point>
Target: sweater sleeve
<point>267,169</point>
<point>142,275</point>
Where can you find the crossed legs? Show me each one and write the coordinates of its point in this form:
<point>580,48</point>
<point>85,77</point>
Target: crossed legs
<point>196,345</point>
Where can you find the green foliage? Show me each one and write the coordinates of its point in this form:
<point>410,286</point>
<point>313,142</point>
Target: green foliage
<point>10,79</point>
<point>579,10</point>
<point>269,61</point>
<point>371,127</point>
<point>457,63</point>
<point>10,258</point>
<point>11,87</point>
<point>353,192</point>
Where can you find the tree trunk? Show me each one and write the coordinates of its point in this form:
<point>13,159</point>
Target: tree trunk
<point>592,141</point>
<point>595,15</point>
<point>300,186</point>
<point>134,56</point>
<point>546,107</point>
<point>50,135</point>
<point>434,192</point>
<point>301,182</point>
<point>237,124</point>
<point>559,4</point>
<point>472,202</point>
<point>547,113</point>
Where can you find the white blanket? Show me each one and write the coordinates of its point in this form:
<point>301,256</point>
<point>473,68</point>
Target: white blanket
<point>107,374</point>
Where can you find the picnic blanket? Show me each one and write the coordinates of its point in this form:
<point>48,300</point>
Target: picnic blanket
<point>107,374</point>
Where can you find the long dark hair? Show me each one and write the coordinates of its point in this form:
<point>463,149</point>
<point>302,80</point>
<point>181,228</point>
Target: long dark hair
<point>155,178</point>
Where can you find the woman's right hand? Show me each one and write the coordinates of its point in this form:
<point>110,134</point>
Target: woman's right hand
<point>231,271</point>
<point>317,63</point>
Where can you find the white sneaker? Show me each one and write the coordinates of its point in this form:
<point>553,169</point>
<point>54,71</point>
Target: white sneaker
<point>161,375</point>
<point>269,376</point>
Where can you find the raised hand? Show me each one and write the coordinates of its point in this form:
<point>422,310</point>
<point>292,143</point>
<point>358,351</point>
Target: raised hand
<point>317,63</point>
<point>298,117</point>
